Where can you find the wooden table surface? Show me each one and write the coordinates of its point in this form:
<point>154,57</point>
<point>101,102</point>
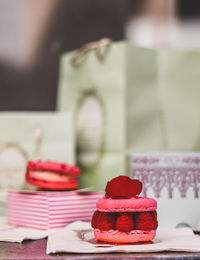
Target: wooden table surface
<point>36,250</point>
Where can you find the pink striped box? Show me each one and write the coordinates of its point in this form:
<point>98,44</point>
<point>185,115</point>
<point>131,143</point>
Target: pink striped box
<point>45,210</point>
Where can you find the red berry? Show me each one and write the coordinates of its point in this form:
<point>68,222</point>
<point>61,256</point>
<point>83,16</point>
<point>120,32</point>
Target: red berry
<point>106,221</point>
<point>123,187</point>
<point>154,214</point>
<point>144,221</point>
<point>95,219</point>
<point>125,222</point>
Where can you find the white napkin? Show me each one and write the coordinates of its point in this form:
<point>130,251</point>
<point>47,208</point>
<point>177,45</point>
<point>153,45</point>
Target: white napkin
<point>10,233</point>
<point>78,238</point>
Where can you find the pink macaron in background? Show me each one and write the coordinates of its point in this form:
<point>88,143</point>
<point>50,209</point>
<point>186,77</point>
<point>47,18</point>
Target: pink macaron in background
<point>52,175</point>
<point>122,216</point>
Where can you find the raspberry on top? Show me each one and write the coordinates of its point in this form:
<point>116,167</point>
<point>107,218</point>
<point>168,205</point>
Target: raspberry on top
<point>123,187</point>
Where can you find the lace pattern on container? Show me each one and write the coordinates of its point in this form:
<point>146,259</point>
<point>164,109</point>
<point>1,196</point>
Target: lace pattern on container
<point>168,171</point>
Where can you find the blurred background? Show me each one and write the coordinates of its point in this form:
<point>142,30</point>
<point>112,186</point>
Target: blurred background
<point>34,34</point>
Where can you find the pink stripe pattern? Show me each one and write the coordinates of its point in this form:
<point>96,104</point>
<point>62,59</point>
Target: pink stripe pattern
<point>45,210</point>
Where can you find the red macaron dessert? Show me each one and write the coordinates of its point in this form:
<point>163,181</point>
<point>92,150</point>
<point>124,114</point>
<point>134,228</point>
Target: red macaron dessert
<point>122,216</point>
<point>52,175</point>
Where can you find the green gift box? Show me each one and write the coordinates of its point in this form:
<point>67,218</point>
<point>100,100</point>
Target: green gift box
<point>128,99</point>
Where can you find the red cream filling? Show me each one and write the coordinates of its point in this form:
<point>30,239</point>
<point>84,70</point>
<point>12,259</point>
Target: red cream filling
<point>126,221</point>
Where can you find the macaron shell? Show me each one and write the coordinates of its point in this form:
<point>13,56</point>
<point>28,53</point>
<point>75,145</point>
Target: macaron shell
<point>126,205</point>
<point>54,166</point>
<point>53,185</point>
<point>115,236</point>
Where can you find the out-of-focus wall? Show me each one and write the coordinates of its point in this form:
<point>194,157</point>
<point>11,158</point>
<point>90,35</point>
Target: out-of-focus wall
<point>34,33</point>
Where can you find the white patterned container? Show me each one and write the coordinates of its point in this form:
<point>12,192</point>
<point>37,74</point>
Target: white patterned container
<point>173,179</point>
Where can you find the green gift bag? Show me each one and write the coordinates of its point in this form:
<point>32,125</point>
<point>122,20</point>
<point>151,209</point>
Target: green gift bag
<point>128,99</point>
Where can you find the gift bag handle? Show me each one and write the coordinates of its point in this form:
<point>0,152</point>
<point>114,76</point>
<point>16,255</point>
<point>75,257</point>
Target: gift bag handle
<point>96,46</point>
